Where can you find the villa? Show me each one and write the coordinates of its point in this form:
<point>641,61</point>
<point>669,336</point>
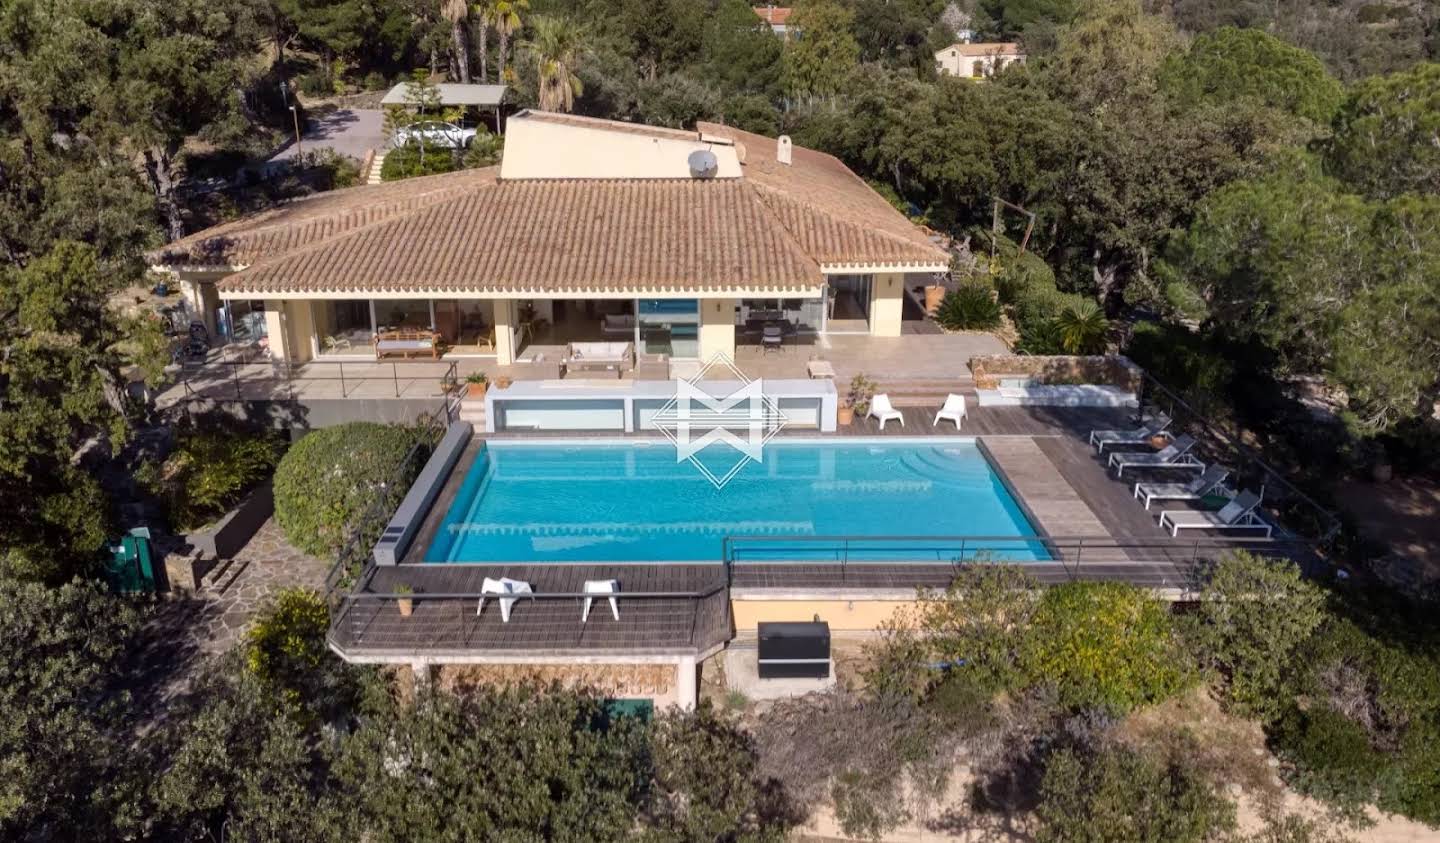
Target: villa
<point>672,476</point>
<point>977,60</point>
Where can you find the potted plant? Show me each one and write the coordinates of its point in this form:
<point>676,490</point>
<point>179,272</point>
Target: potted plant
<point>844,413</point>
<point>476,382</point>
<point>405,604</point>
<point>862,389</point>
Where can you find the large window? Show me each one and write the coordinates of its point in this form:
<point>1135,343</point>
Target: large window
<point>343,327</point>
<point>669,326</point>
<point>245,321</point>
<point>403,315</point>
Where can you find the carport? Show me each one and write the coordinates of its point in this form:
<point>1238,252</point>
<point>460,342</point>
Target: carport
<point>488,97</point>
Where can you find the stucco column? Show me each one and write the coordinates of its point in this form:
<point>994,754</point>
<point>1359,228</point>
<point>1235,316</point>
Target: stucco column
<point>302,341</point>
<point>276,322</point>
<point>686,683</point>
<point>886,294</point>
<point>717,328</point>
<point>505,319</point>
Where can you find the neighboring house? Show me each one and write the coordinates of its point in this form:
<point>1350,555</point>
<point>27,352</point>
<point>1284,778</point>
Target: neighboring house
<point>778,17</point>
<point>672,235</point>
<point>977,61</point>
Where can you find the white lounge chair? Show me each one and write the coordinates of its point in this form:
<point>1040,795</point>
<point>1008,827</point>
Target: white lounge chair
<point>504,585</point>
<point>954,410</point>
<point>1238,514</point>
<point>1174,455</point>
<point>610,587</point>
<point>1135,436</point>
<point>882,409</point>
<point>1191,491</point>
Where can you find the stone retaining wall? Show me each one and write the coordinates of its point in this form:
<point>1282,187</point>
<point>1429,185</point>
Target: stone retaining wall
<point>1107,370</point>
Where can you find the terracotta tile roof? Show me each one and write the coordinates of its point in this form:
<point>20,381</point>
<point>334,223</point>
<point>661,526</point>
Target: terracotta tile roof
<point>773,15</point>
<point>582,122</point>
<point>997,48</point>
<point>543,235</point>
<point>313,219</point>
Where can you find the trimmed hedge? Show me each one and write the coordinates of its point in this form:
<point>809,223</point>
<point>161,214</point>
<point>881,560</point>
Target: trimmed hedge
<point>331,477</point>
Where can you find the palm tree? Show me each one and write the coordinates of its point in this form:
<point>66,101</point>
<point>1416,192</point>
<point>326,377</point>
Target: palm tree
<point>1082,328</point>
<point>484,20</point>
<point>558,45</point>
<point>455,11</point>
<point>507,23</point>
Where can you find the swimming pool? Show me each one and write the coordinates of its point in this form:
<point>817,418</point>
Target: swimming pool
<point>633,502</point>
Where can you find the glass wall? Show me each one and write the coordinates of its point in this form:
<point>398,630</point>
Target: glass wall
<point>403,315</point>
<point>244,321</point>
<point>670,327</point>
<point>798,316</point>
<point>343,327</point>
<point>847,304</point>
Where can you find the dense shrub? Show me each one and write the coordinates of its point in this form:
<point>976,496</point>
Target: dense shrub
<point>1185,362</point>
<point>971,307</point>
<point>1104,645</point>
<point>331,477</point>
<point>484,151</point>
<point>1017,275</point>
<point>208,473</point>
<point>1082,327</point>
<point>285,648</point>
<point>407,161</point>
<point>1330,755</point>
<point>1116,793</point>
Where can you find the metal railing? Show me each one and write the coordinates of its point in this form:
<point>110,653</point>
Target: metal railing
<point>549,620</point>
<point>1296,509</point>
<point>261,379</point>
<point>1175,561</point>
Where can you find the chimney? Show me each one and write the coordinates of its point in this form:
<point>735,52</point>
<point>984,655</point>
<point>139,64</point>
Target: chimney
<point>782,149</point>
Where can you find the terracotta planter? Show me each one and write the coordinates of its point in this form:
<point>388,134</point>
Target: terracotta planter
<point>503,382</point>
<point>406,606</point>
<point>845,415</point>
<point>476,391</point>
<point>1159,442</point>
<point>933,296</point>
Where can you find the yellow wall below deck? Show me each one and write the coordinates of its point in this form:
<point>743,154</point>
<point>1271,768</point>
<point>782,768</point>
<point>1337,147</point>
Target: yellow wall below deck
<point>886,301</point>
<point>842,615</point>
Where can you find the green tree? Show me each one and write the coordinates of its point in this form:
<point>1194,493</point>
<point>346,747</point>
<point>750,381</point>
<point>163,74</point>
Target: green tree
<point>1384,141</point>
<point>557,46</point>
<point>817,64</point>
<point>1114,793</point>
<point>738,50</point>
<point>1230,65</point>
<point>1255,614</point>
<point>457,13</point>
<point>507,21</point>
<point>58,682</point>
<point>1104,645</point>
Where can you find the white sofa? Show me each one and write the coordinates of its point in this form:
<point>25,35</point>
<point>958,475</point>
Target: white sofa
<point>599,357</point>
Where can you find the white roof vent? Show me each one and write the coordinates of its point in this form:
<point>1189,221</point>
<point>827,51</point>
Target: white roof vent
<point>782,149</point>
<point>703,164</point>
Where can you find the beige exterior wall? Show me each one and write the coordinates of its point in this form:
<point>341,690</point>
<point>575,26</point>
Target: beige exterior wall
<point>536,149</point>
<point>289,329</point>
<point>957,63</point>
<point>842,615</point>
<point>886,300</point>
<point>717,328</point>
<point>505,319</point>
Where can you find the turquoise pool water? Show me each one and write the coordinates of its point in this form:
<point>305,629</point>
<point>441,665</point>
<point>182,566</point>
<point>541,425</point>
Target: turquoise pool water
<point>548,502</point>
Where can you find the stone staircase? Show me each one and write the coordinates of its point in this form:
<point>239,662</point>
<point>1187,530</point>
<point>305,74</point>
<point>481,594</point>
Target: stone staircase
<point>924,392</point>
<point>373,177</point>
<point>222,575</point>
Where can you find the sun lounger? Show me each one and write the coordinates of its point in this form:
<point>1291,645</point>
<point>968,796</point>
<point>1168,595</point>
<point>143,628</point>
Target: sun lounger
<point>882,409</point>
<point>504,585</point>
<point>954,410</point>
<point>1135,436</point>
<point>1174,455</point>
<point>1191,491</point>
<point>1238,514</point>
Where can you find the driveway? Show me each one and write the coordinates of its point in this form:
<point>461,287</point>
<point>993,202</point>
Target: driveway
<point>348,131</point>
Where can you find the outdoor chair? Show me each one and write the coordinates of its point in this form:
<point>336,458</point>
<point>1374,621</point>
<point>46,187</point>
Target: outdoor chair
<point>772,336</point>
<point>610,587</point>
<point>954,410</point>
<point>1191,491</point>
<point>1174,455</point>
<point>883,410</point>
<point>1238,514</point>
<point>1135,436</point>
<point>504,585</point>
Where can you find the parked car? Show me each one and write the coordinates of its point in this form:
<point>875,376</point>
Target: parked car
<point>435,132</point>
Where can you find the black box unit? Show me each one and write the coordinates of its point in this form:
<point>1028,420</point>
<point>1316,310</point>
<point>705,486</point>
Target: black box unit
<point>795,650</point>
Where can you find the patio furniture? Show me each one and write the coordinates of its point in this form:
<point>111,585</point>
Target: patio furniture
<point>610,587</point>
<point>485,341</point>
<point>820,369</point>
<point>1238,514</point>
<point>882,409</point>
<point>772,337</point>
<point>618,324</point>
<point>504,585</point>
<point>954,410</point>
<point>337,342</point>
<point>1191,491</point>
<point>407,342</point>
<point>1135,436</point>
<point>598,357</point>
<point>1174,455</point>
<point>652,367</point>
